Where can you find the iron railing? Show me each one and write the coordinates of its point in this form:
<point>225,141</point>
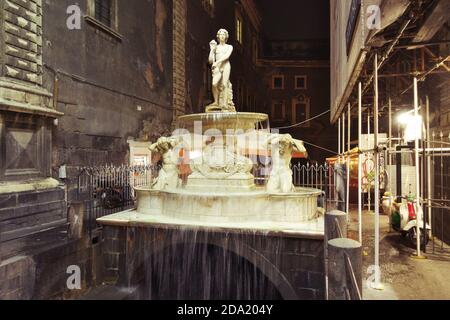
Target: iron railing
<point>110,189</point>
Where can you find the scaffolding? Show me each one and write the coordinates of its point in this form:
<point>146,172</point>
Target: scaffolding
<point>389,73</point>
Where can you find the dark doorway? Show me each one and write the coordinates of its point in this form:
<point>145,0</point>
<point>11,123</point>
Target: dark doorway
<point>201,271</point>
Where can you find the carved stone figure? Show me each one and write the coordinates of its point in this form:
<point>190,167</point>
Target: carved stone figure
<point>222,88</point>
<point>283,146</point>
<point>221,163</point>
<point>168,175</point>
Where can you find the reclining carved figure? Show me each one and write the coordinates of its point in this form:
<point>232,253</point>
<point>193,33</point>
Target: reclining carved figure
<point>283,146</point>
<point>168,175</point>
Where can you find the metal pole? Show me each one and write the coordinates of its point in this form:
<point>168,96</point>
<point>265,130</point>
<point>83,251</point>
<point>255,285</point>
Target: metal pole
<point>441,135</point>
<point>349,119</point>
<point>390,146</point>
<point>416,151</point>
<point>343,134</point>
<point>339,136</point>
<point>433,161</point>
<point>377,284</point>
<point>359,162</point>
<point>343,156</point>
<point>428,155</point>
<point>368,155</point>
<point>389,158</point>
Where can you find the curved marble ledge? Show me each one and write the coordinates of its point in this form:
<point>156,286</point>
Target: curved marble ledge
<point>313,229</point>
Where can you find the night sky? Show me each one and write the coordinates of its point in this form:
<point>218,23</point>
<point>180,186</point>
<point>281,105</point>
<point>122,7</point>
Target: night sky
<point>295,19</point>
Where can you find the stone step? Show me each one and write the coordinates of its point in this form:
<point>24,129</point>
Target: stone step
<point>109,293</point>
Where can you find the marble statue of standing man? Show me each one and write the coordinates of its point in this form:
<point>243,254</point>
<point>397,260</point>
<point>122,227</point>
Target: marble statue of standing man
<point>219,58</point>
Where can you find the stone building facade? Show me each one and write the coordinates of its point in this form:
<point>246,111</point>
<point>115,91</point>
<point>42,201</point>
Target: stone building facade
<point>411,40</point>
<point>108,79</point>
<point>30,199</point>
<point>298,90</point>
<point>76,81</point>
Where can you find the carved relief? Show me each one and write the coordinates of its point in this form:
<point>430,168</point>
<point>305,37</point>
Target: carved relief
<point>219,162</point>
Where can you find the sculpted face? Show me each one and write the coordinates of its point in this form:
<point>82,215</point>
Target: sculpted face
<point>222,36</point>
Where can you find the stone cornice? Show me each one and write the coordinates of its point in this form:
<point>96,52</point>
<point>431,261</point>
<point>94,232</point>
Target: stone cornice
<point>10,84</point>
<point>14,106</point>
<point>293,63</point>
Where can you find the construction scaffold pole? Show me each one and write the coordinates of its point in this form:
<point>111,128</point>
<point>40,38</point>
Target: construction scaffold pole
<point>347,200</point>
<point>416,154</point>
<point>377,283</point>
<point>359,162</point>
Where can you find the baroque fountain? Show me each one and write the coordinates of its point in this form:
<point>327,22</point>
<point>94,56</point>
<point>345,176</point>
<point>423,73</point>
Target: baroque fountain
<point>219,204</point>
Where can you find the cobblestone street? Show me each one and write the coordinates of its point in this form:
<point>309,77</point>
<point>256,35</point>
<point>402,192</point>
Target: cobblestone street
<point>403,277</point>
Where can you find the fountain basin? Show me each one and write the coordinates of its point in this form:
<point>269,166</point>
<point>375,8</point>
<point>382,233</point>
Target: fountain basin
<point>222,121</point>
<point>222,207</point>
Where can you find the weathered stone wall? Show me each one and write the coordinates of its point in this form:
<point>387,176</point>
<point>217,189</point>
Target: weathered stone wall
<point>107,82</point>
<point>294,265</point>
<point>22,213</point>
<point>40,270</point>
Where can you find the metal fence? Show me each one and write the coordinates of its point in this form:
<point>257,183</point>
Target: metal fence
<point>440,199</point>
<point>311,176</point>
<point>109,189</point>
<point>434,179</point>
<point>323,177</point>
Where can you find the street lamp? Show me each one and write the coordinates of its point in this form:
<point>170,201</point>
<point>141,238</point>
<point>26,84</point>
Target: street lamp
<point>413,126</point>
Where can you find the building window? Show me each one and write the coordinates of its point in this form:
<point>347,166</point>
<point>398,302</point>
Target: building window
<point>301,82</point>
<point>353,17</point>
<point>208,5</point>
<point>103,11</point>
<point>239,30</point>
<point>278,82</point>
<point>102,14</point>
<point>278,110</point>
<point>300,110</point>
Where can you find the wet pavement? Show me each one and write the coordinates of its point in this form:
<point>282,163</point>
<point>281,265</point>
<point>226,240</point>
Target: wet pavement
<point>402,276</point>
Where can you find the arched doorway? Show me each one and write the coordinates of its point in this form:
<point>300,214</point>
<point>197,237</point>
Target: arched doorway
<point>204,271</point>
